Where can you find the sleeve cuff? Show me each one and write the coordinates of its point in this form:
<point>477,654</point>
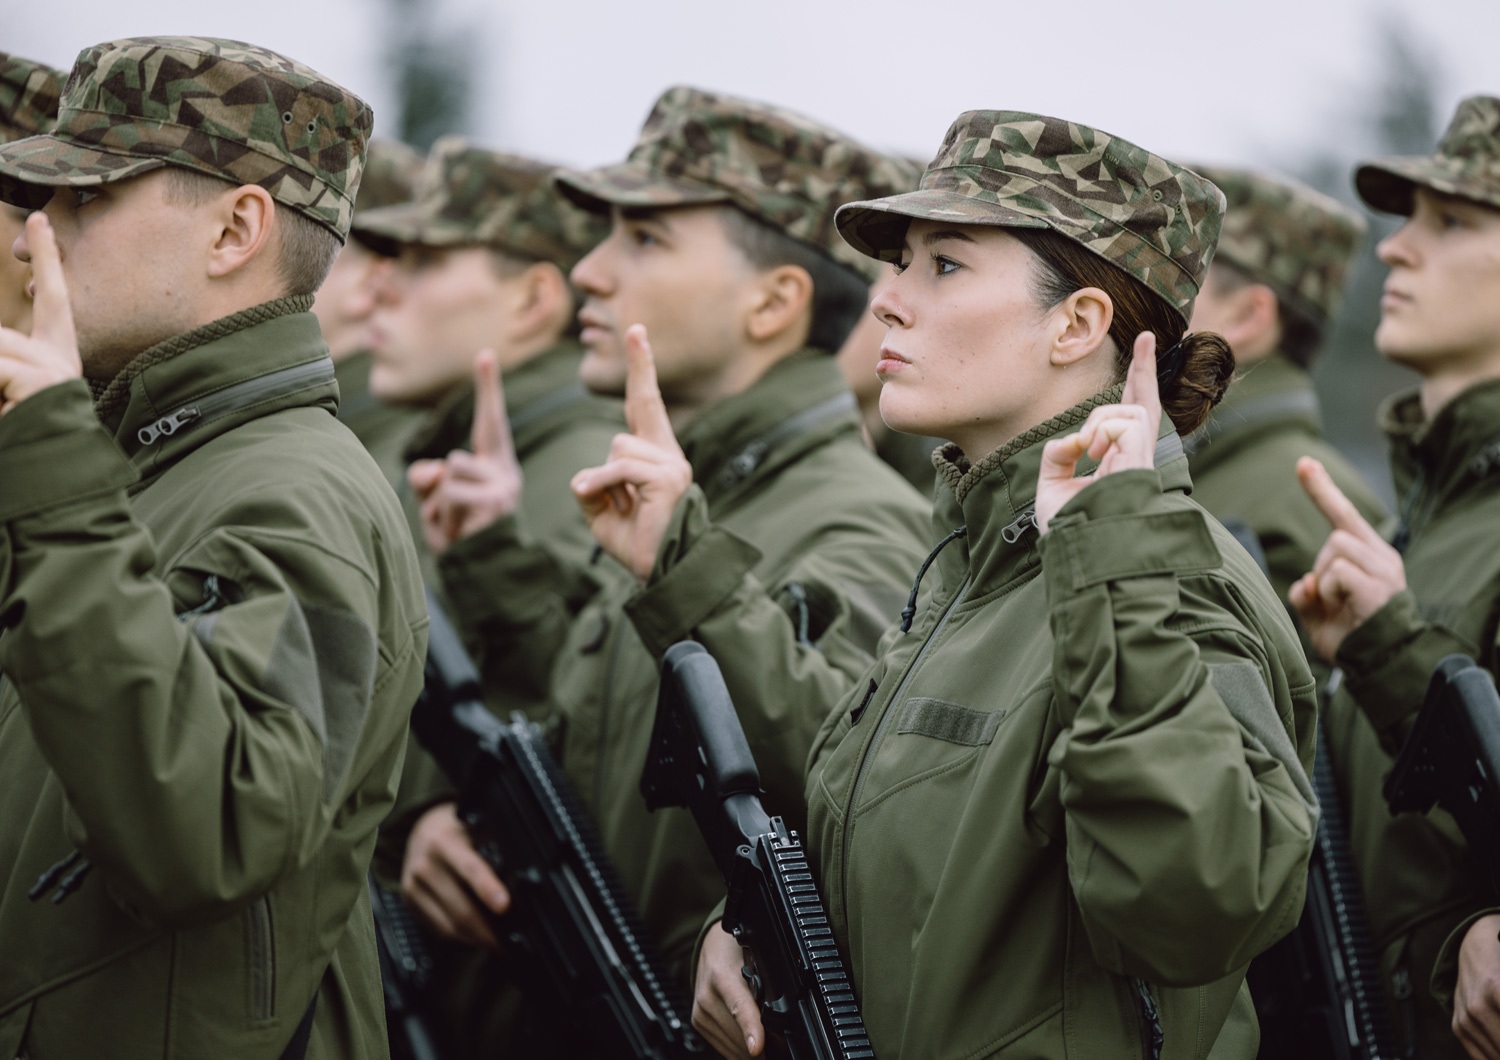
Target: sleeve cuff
<point>53,450</point>
<point>1389,658</point>
<point>1117,528</point>
<point>498,573</point>
<point>1445,968</point>
<point>699,566</point>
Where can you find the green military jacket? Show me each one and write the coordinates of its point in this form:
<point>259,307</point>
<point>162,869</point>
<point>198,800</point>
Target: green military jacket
<point>383,429</point>
<point>1418,879</point>
<point>559,428</point>
<point>215,634</point>
<point>1071,802</point>
<point>1244,467</point>
<point>791,553</point>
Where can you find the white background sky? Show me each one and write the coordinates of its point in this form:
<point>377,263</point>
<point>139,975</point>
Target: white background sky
<point>571,80</point>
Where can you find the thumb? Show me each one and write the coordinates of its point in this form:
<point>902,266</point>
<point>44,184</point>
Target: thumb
<point>491,433</point>
<point>424,476</point>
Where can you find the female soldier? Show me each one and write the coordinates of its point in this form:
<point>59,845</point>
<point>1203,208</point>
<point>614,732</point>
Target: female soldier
<point>1070,802</point>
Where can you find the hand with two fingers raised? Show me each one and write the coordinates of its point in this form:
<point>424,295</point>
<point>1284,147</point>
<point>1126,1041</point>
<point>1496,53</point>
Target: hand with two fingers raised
<point>629,499</point>
<point>1120,437</point>
<point>724,1010</point>
<point>49,355</point>
<point>1356,572</point>
<point>467,491</point>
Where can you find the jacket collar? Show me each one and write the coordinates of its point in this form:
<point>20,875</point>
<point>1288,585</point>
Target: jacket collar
<point>995,498</point>
<point>527,386</point>
<point>1451,452</point>
<point>181,393</point>
<point>1269,396</point>
<point>800,402</point>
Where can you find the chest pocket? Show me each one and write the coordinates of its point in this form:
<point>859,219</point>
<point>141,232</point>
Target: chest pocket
<point>949,722</point>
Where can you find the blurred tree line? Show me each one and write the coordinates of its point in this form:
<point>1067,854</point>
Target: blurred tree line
<point>432,58</point>
<point>1394,113</point>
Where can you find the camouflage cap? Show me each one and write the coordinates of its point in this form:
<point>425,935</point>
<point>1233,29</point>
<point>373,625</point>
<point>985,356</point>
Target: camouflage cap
<point>468,196</point>
<point>391,172</point>
<point>28,97</point>
<point>1466,163</point>
<point>786,170</point>
<point>1297,241</point>
<point>227,109</point>
<point>1152,218</point>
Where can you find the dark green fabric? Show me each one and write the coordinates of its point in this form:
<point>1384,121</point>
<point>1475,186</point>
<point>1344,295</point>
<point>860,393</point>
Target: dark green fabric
<point>384,429</point>
<point>1419,880</point>
<point>224,774</point>
<point>950,722</point>
<point>1121,823</point>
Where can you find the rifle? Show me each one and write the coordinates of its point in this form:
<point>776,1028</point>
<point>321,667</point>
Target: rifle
<point>700,759</point>
<point>406,969</point>
<point>1318,992</point>
<point>1452,759</point>
<point>593,979</point>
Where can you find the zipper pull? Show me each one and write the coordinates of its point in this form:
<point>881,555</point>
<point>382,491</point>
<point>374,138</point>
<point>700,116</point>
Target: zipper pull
<point>168,425</point>
<point>1025,522</point>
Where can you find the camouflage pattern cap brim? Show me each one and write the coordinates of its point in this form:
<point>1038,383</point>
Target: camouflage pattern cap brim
<point>29,93</point>
<point>231,110</point>
<point>634,184</point>
<point>1151,218</point>
<point>1466,163</point>
<point>389,228</point>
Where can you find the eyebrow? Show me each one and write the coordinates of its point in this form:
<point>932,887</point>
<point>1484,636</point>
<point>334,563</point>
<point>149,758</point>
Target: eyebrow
<point>946,233</point>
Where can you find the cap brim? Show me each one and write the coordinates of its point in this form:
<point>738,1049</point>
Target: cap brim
<point>1386,184</point>
<point>387,229</point>
<point>39,162</point>
<point>877,228</point>
<point>634,184</point>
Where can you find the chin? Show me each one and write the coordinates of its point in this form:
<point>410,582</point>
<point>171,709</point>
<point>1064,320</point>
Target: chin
<point>602,375</point>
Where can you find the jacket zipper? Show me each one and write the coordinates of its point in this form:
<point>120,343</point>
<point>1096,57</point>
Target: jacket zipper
<point>262,961</point>
<point>885,719</point>
<point>212,406</point>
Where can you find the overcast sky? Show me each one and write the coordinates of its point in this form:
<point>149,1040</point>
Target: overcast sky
<point>571,80</point>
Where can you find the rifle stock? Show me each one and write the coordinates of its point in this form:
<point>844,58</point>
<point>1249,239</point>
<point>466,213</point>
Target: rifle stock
<point>700,759</point>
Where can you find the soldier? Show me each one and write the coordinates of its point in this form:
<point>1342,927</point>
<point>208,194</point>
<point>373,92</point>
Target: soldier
<point>1387,613</point>
<point>345,302</point>
<point>787,546</point>
<point>1069,803</point>
<point>215,620</point>
<point>28,105</point>
<point>1274,285</point>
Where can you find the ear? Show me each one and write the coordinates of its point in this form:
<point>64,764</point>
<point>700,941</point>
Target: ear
<point>781,302</point>
<point>543,301</point>
<point>244,217</point>
<point>1079,325</point>
<point>1251,321</point>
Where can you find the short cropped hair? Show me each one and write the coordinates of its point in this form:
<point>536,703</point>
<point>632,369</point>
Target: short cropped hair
<point>306,250</point>
<point>840,295</point>
<point>1302,333</point>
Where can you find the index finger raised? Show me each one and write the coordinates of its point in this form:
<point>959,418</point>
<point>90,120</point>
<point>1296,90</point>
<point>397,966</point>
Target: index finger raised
<point>53,314</point>
<point>490,435</point>
<point>1141,387</point>
<point>1336,508</point>
<point>644,410</point>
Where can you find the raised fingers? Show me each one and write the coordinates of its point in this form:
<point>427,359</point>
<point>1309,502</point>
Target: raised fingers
<point>1336,508</point>
<point>52,314</point>
<point>644,410</point>
<point>490,436</point>
<point>1141,386</point>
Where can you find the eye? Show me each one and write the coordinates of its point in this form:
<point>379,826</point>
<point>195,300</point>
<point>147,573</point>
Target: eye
<point>641,237</point>
<point>1449,220</point>
<point>84,196</point>
<point>944,266</point>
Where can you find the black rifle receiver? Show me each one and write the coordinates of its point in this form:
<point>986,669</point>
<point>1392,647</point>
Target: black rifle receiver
<point>700,759</point>
<point>591,975</point>
<point>405,972</point>
<point>1452,759</point>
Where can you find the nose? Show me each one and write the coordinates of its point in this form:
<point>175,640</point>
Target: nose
<point>1398,248</point>
<point>592,274</point>
<point>383,283</point>
<point>889,307</point>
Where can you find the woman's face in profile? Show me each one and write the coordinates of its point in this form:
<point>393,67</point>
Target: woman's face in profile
<point>965,356</point>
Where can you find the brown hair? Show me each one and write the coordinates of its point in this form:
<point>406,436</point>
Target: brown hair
<point>1207,362</point>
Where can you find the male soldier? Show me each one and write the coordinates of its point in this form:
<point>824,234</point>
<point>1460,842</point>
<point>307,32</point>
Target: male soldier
<point>214,622</point>
<point>345,302</point>
<point>28,106</point>
<point>777,539</point>
<point>1387,613</point>
<point>1275,283</point>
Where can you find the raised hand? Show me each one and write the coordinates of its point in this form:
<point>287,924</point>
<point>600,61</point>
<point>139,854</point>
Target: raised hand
<point>48,355</point>
<point>468,491</point>
<point>1356,572</point>
<point>629,500</point>
<point>1120,437</point>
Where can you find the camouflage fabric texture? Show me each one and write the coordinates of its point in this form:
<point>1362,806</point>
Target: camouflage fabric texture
<point>224,108</point>
<point>779,167</point>
<point>468,196</point>
<point>391,173</point>
<point>1292,238</point>
<point>28,97</point>
<point>1152,218</point>
<point>1466,163</point>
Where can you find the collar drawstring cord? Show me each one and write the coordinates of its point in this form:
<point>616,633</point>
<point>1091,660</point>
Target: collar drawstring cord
<point>909,612</point>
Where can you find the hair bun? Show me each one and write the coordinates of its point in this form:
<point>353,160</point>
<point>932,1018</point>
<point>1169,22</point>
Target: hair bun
<point>1207,369</point>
